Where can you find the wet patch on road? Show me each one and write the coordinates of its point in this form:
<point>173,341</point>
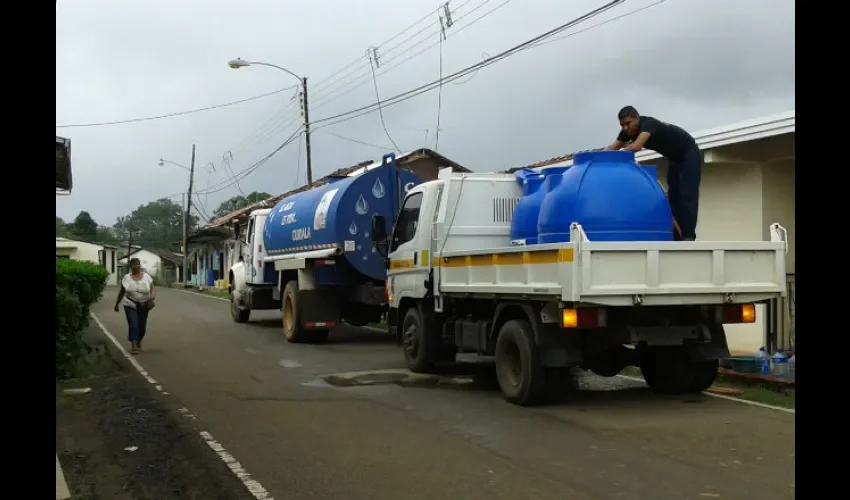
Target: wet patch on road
<point>463,377</point>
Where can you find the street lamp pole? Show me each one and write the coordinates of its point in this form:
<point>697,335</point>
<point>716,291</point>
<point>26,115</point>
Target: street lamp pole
<point>240,63</point>
<point>187,213</point>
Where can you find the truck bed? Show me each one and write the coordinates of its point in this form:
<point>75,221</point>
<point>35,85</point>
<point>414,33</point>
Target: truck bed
<point>621,273</point>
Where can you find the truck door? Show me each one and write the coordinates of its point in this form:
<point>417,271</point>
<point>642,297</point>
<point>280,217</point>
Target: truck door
<point>250,267</point>
<point>410,249</point>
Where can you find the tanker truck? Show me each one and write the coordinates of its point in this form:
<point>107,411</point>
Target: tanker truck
<point>311,256</point>
<point>577,270</point>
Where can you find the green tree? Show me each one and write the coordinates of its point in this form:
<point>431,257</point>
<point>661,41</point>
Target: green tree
<point>238,202</point>
<point>83,227</point>
<point>61,227</point>
<point>158,224</point>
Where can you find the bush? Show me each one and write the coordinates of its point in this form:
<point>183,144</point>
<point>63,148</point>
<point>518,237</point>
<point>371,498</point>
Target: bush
<point>78,286</point>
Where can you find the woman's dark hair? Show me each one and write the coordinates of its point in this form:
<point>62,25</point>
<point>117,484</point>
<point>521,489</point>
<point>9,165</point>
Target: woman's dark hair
<point>134,261</point>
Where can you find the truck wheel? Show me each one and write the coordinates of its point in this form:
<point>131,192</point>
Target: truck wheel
<point>239,314</point>
<point>667,370</point>
<point>421,347</point>
<point>521,376</point>
<point>705,373</point>
<point>290,314</point>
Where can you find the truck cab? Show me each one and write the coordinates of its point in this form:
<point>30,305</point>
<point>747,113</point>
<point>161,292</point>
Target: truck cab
<point>250,285</point>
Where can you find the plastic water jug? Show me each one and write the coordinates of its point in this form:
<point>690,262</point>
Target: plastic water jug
<point>763,362</point>
<point>780,364</point>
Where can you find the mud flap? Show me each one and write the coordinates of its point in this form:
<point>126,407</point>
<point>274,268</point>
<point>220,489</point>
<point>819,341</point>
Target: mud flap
<point>318,309</point>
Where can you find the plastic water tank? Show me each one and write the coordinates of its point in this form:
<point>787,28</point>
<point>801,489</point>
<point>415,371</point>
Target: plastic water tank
<point>534,187</point>
<point>611,196</point>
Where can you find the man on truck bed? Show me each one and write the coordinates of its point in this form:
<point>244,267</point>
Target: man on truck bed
<point>683,156</point>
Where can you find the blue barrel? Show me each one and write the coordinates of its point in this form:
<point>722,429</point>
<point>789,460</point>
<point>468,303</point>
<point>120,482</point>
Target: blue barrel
<point>535,185</point>
<point>339,215</point>
<point>611,196</point>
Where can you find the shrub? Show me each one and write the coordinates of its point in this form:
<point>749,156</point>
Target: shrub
<point>78,286</point>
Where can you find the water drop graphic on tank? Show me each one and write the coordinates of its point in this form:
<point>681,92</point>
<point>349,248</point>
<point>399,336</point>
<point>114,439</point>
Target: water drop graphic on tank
<point>352,229</point>
<point>378,190</point>
<point>361,207</point>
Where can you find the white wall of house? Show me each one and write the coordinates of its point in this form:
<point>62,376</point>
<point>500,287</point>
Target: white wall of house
<point>151,262</point>
<point>90,252</point>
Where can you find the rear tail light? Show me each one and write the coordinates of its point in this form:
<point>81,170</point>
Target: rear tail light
<point>260,248</point>
<point>584,317</point>
<point>259,264</point>
<point>739,313</point>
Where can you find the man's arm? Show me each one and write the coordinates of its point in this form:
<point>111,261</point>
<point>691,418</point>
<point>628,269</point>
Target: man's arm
<point>638,143</point>
<point>615,146</point>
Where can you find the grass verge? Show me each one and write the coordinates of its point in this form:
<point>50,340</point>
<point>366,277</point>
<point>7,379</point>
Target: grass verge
<point>749,391</point>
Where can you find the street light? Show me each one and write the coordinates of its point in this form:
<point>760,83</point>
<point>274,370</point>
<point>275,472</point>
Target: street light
<point>241,63</point>
<point>186,212</point>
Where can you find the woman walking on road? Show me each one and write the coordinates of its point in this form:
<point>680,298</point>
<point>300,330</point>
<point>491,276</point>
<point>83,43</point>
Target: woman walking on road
<point>138,293</point>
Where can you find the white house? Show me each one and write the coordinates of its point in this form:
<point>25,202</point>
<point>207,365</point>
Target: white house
<point>160,264</point>
<point>747,184</point>
<point>97,253</point>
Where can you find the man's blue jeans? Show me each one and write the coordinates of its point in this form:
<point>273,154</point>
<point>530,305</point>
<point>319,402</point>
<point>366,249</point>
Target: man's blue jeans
<point>137,321</point>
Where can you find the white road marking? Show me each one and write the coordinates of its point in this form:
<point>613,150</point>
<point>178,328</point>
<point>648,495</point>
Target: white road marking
<point>728,398</point>
<point>252,485</point>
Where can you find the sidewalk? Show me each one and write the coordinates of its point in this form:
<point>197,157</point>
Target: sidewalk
<point>62,492</point>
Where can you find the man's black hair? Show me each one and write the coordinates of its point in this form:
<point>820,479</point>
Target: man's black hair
<point>135,260</point>
<point>627,112</point>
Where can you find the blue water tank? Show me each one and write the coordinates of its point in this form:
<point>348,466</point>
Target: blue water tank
<point>339,214</point>
<point>611,196</point>
<point>534,187</point>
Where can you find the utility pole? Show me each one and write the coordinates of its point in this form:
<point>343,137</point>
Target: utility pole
<point>307,132</point>
<point>186,218</point>
<point>129,245</point>
<point>183,243</point>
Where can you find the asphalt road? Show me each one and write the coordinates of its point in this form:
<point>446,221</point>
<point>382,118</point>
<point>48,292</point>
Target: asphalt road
<point>270,405</point>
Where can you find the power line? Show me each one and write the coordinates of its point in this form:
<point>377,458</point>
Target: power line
<point>251,169</point>
<point>178,113</point>
<point>370,55</point>
<point>532,43</point>
<point>349,139</point>
<point>347,89</point>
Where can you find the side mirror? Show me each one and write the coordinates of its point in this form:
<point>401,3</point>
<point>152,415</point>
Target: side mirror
<point>379,229</point>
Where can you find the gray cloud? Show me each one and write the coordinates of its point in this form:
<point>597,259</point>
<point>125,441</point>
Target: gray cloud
<point>697,63</point>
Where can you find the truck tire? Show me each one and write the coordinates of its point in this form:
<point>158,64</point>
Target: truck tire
<point>239,314</point>
<point>421,347</point>
<point>705,373</point>
<point>521,375</point>
<point>293,330</point>
<point>668,370</point>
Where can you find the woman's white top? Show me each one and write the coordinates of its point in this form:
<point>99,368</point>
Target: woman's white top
<point>140,290</point>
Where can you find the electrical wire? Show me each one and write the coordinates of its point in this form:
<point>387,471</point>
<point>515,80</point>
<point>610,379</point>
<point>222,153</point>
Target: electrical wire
<point>439,93</point>
<point>252,168</point>
<point>178,113</point>
<point>347,90</point>
<point>349,139</point>
<point>528,44</point>
<point>378,97</point>
<point>328,82</point>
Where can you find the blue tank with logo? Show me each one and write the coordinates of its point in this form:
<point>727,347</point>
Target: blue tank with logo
<point>612,196</point>
<point>339,215</point>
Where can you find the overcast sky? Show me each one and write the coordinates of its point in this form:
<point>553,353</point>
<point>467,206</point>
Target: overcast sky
<point>696,63</point>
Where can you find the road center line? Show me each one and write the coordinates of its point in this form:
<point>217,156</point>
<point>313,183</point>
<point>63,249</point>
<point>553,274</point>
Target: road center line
<point>718,396</point>
<point>252,485</point>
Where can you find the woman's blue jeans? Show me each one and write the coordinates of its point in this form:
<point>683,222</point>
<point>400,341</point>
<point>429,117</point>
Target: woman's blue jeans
<point>137,321</point>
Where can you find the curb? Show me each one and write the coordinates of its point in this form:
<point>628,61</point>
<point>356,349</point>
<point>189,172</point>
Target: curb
<point>62,491</point>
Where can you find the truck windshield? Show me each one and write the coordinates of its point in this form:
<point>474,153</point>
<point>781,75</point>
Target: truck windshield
<point>408,217</point>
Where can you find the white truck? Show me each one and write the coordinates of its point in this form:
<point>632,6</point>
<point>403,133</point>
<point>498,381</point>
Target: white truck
<point>458,291</point>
